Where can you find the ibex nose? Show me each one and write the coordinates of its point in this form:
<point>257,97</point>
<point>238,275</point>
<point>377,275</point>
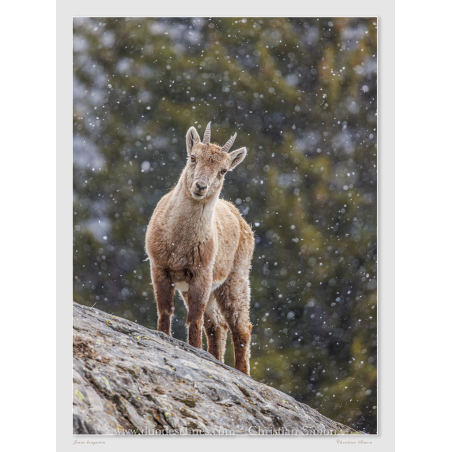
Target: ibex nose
<point>200,187</point>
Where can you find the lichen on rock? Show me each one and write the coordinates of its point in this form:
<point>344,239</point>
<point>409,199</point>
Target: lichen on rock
<point>132,380</point>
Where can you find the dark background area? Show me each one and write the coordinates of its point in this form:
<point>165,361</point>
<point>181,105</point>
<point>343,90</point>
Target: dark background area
<point>302,96</point>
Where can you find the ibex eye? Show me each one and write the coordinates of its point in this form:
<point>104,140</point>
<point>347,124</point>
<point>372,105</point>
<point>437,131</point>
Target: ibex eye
<point>223,171</point>
<point>193,158</point>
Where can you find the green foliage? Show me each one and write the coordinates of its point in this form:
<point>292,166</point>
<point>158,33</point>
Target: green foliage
<point>301,95</point>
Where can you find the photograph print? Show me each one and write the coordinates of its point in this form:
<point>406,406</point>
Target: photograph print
<point>224,226</point>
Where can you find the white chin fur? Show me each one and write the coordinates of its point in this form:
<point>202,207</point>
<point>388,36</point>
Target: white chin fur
<point>198,197</point>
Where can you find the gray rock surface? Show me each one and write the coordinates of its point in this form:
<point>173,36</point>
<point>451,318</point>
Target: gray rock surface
<point>132,380</point>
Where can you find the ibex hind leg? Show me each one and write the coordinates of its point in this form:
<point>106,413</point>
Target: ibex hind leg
<point>216,329</point>
<point>184,296</point>
<point>234,301</point>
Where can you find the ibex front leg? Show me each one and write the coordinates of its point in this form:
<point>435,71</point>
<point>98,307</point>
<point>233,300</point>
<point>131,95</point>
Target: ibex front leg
<point>164,294</point>
<point>197,298</point>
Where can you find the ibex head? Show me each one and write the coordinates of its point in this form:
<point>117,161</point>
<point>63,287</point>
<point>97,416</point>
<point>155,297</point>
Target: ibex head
<point>208,163</point>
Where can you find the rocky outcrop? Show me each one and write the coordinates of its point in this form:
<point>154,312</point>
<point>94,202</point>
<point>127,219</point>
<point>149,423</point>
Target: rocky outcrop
<point>132,380</point>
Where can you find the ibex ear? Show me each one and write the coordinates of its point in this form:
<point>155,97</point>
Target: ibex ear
<point>192,139</point>
<point>237,157</point>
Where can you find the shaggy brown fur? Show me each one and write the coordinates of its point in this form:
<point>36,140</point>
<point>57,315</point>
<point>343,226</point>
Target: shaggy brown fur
<point>200,245</point>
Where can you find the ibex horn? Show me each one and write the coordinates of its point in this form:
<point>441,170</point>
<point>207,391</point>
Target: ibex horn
<point>229,143</point>
<point>206,138</point>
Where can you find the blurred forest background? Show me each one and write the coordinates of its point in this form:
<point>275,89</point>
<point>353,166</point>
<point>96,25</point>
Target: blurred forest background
<point>302,96</point>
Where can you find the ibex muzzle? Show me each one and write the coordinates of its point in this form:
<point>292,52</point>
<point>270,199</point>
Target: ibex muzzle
<point>200,187</point>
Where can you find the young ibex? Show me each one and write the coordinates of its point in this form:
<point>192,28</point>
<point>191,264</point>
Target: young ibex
<point>201,245</point>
